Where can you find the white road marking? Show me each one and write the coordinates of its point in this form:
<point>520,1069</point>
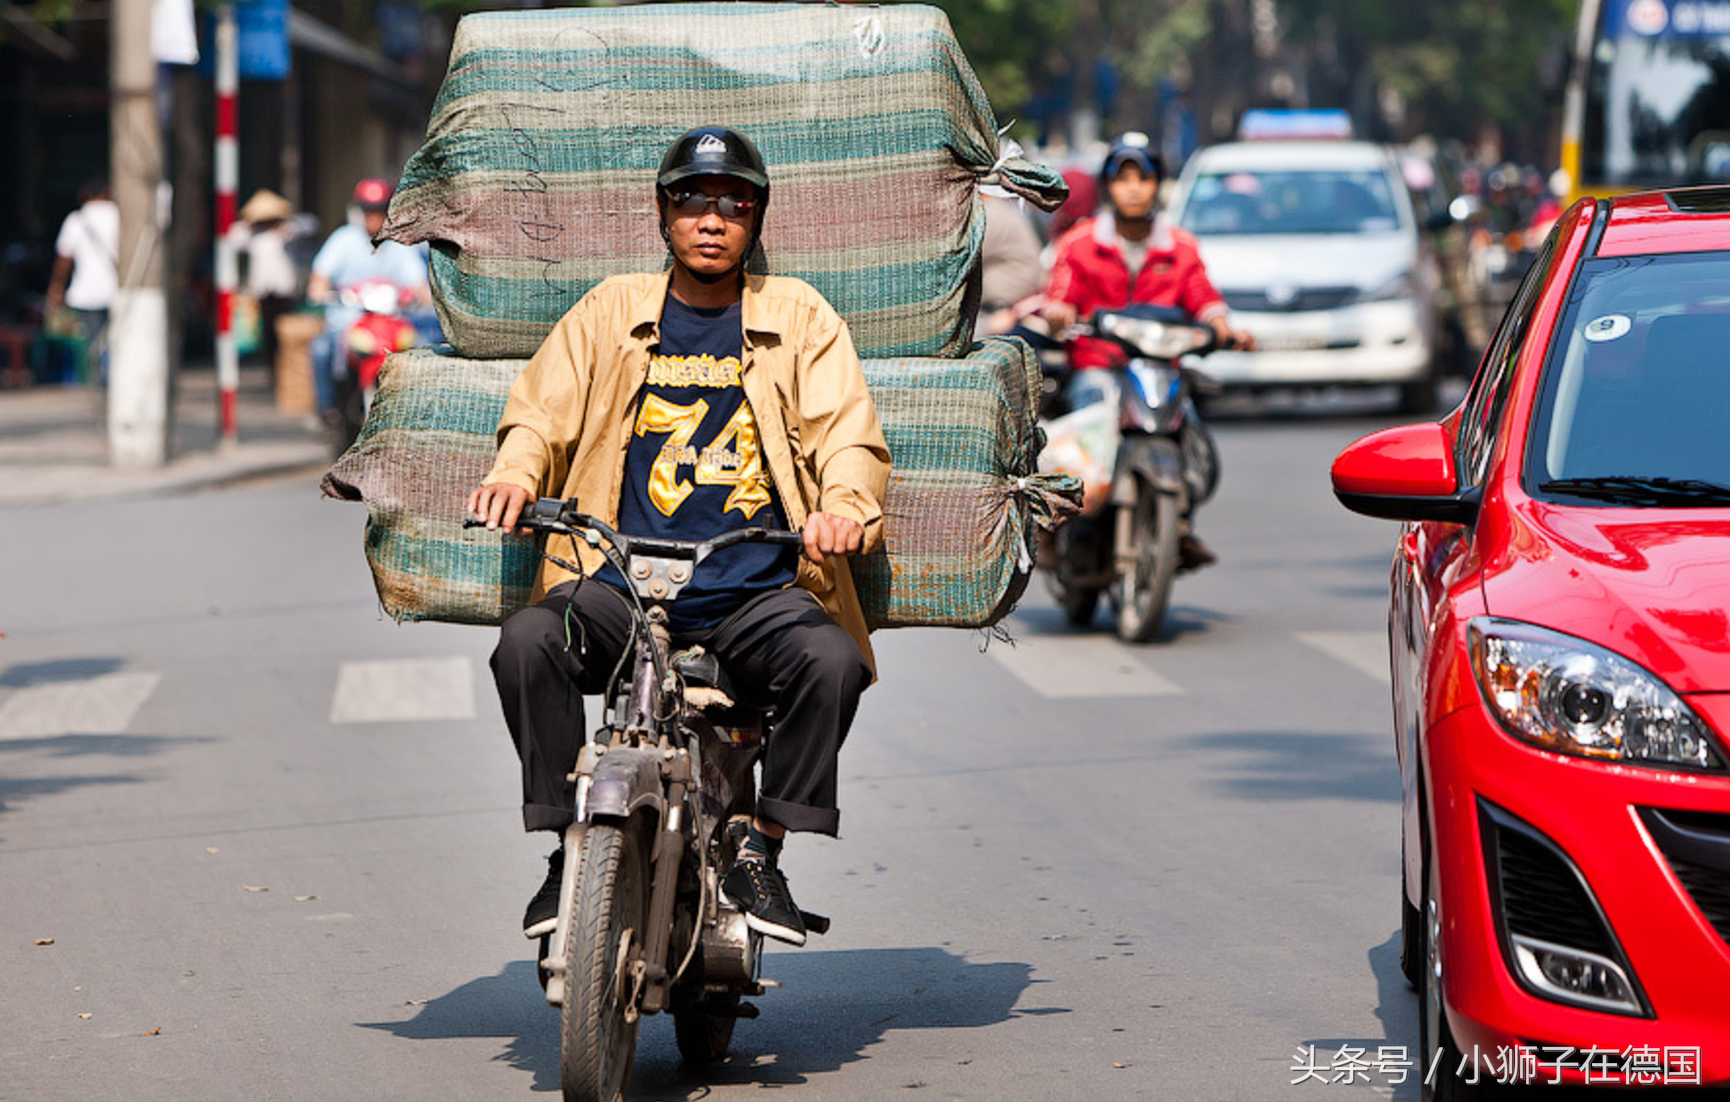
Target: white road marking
<point>1366,651</point>
<point>404,689</point>
<point>102,705</point>
<point>1060,667</point>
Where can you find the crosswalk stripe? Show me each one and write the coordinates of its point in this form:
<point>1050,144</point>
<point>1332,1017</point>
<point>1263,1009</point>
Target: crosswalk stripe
<point>404,689</point>
<point>1366,651</point>
<point>1069,666</point>
<point>101,705</point>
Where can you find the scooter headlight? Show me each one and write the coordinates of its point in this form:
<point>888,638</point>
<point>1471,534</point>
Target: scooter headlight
<point>1159,339</point>
<point>1568,695</point>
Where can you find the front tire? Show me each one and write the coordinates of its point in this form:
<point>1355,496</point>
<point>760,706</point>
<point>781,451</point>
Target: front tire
<point>1411,931</point>
<point>598,1024</point>
<point>705,1029</point>
<point>1436,1041</point>
<point>1143,591</point>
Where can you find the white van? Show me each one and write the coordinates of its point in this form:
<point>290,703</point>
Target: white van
<point>1316,249</point>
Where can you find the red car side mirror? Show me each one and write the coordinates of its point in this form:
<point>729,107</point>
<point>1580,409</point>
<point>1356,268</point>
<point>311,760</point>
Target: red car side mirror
<point>1404,473</point>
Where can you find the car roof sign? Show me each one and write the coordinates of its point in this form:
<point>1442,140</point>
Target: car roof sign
<point>1264,124</point>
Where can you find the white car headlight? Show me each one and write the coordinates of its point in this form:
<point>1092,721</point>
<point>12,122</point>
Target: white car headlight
<point>1565,694</point>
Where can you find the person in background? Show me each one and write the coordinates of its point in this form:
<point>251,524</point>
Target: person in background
<point>1126,254</point>
<point>1083,198</point>
<point>1009,262</point>
<point>348,258</point>
<point>267,224</point>
<point>87,268</point>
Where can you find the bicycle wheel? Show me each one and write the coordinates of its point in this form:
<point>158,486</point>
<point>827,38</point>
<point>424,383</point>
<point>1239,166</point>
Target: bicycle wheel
<point>598,1026</point>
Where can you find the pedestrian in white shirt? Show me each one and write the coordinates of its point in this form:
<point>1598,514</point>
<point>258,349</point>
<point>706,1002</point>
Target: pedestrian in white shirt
<point>86,267</point>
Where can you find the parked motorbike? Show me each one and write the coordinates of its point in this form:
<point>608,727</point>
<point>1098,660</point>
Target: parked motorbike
<point>1135,437</point>
<point>664,793</point>
<point>381,328</point>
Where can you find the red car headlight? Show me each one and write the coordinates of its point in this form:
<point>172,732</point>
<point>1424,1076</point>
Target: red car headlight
<point>1568,695</point>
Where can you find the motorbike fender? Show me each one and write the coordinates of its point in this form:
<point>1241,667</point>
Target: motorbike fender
<point>1152,459</point>
<point>627,779</point>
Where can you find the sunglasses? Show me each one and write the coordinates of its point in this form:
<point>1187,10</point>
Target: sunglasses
<point>697,202</point>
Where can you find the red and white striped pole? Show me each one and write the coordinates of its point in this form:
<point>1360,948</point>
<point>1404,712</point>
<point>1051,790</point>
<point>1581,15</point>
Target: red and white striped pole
<point>227,173</point>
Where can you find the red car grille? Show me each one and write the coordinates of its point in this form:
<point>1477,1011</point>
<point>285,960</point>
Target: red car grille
<point>1697,846</point>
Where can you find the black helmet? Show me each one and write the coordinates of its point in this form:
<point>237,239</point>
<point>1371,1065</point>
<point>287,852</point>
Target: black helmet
<point>714,151</point>
<point>1132,148</point>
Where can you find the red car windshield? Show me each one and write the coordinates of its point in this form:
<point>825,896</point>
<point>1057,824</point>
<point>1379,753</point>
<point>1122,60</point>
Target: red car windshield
<point>1636,399</point>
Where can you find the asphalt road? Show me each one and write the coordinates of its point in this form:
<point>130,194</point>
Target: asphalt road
<point>273,840</point>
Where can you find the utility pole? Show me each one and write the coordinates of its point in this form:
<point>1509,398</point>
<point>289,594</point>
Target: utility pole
<point>227,263</point>
<point>138,377</point>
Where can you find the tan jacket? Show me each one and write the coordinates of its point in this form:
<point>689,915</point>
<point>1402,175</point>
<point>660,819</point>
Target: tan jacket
<point>568,422</point>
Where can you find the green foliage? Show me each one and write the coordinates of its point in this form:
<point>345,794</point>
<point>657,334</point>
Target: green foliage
<point>1457,65</point>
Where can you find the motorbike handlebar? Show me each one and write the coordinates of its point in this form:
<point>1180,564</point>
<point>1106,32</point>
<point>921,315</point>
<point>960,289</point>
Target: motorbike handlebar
<point>561,517</point>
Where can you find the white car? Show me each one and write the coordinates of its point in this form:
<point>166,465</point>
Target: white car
<point>1315,247</point>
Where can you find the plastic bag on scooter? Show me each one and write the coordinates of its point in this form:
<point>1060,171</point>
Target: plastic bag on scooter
<point>1084,443</point>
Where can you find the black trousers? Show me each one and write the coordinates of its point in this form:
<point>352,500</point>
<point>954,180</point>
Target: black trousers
<point>782,650</point>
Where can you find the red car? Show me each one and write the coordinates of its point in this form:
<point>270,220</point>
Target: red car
<point>1560,643</point>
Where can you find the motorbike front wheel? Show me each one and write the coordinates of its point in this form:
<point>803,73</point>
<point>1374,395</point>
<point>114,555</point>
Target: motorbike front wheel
<point>1146,541</point>
<point>1075,555</point>
<point>598,1023</point>
<point>704,1030</point>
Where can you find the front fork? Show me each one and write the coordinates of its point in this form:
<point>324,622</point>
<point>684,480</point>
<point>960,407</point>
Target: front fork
<point>648,967</point>
<point>1145,464</point>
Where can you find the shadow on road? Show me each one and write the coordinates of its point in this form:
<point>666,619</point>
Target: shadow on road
<point>27,775</point>
<point>1390,1061</point>
<point>1301,765</point>
<point>831,1008</point>
<point>1044,621</point>
<point>23,675</point>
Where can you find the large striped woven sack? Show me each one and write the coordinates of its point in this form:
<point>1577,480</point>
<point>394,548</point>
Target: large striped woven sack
<point>536,180</point>
<point>962,504</point>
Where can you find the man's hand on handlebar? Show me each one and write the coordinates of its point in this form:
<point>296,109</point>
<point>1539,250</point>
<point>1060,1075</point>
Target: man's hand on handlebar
<point>1060,315</point>
<point>1232,338</point>
<point>828,534</point>
<point>499,505</point>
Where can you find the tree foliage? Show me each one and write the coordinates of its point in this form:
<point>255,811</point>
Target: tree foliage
<point>1441,66</point>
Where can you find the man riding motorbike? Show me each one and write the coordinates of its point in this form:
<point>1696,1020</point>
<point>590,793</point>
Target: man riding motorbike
<point>1128,253</point>
<point>346,260</point>
<point>683,404</point>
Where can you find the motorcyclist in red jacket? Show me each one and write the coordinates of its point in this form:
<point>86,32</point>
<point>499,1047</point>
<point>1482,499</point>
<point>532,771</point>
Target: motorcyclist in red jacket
<point>1128,253</point>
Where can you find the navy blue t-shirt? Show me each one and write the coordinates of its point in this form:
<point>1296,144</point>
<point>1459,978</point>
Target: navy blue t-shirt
<point>695,467</point>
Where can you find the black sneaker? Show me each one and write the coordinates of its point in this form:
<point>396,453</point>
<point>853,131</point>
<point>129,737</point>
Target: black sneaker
<point>1192,554</point>
<point>759,889</point>
<point>543,912</point>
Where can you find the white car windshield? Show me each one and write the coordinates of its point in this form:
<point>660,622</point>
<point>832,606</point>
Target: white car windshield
<point>1637,389</point>
<point>1274,202</point>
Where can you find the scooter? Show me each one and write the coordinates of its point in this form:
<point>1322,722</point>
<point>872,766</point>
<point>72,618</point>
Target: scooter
<point>380,330</point>
<point>664,792</point>
<point>1134,436</point>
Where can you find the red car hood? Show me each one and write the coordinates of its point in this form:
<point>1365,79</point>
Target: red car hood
<point>1652,585</point>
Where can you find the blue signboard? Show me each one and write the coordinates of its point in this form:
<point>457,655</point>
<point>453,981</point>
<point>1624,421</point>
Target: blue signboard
<point>1667,19</point>
<point>261,35</point>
